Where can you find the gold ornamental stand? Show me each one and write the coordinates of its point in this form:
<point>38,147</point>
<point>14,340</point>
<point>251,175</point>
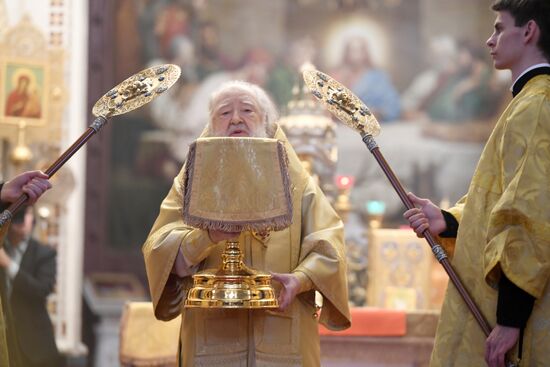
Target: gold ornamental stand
<point>132,93</point>
<point>215,200</point>
<point>349,109</point>
<point>233,285</point>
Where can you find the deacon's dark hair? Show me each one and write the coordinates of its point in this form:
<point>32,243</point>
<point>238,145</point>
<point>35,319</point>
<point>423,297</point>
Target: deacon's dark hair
<point>523,11</point>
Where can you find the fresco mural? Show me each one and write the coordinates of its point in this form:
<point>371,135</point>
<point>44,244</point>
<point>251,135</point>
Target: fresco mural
<point>422,84</point>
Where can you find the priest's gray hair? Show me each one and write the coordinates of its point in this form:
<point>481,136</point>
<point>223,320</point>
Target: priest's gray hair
<point>268,109</point>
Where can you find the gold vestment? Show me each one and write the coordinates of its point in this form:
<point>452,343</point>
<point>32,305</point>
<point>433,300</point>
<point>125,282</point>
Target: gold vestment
<point>504,227</point>
<point>313,245</point>
<point>3,341</point>
<point>4,361</point>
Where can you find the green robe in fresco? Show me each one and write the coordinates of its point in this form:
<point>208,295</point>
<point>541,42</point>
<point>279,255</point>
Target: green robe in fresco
<point>504,227</point>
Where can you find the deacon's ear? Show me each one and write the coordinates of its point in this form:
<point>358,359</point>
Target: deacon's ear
<point>531,31</point>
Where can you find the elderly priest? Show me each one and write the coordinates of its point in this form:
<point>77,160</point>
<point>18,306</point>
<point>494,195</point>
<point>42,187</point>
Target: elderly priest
<point>306,256</point>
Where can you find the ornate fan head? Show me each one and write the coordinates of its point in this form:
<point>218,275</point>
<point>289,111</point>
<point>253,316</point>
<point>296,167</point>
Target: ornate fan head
<point>341,102</point>
<point>137,90</point>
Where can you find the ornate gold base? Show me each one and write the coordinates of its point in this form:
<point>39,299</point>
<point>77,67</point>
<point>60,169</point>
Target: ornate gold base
<point>234,285</point>
<point>226,291</point>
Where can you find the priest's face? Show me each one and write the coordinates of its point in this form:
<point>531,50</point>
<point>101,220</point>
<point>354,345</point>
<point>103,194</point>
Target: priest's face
<point>237,113</point>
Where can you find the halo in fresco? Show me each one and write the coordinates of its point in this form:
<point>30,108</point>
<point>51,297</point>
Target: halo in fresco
<point>348,28</point>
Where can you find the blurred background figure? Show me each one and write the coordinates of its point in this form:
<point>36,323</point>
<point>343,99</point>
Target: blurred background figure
<point>27,277</point>
<point>173,20</point>
<point>371,84</point>
<point>186,119</point>
<point>210,58</point>
<point>441,58</point>
<point>286,71</point>
<point>466,94</point>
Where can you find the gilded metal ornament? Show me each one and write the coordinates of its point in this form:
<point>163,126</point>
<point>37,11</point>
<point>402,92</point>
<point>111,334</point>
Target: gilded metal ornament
<point>369,142</point>
<point>5,217</point>
<point>98,123</point>
<point>233,285</point>
<point>339,100</point>
<point>439,252</point>
<point>137,90</point>
<point>5,220</point>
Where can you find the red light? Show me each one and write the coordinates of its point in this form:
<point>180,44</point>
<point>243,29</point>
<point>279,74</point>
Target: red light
<point>344,182</point>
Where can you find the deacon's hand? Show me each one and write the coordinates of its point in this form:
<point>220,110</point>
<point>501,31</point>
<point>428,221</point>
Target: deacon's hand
<point>427,215</point>
<point>291,286</point>
<point>498,343</point>
<point>32,183</point>
<point>217,236</point>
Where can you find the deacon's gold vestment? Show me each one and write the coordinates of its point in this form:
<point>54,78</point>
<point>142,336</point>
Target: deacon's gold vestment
<point>504,227</point>
<point>313,245</point>
<point>4,361</point>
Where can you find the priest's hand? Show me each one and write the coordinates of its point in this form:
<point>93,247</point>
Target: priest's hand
<point>427,215</point>
<point>181,268</point>
<point>32,183</point>
<point>498,343</point>
<point>291,287</point>
<point>217,236</point>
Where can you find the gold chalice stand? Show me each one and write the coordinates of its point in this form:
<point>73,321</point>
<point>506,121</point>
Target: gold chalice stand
<point>233,285</point>
<point>247,190</point>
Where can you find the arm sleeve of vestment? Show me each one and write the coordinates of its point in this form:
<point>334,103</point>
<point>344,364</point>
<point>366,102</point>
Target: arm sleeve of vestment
<point>452,225</point>
<point>323,258</point>
<point>168,234</point>
<point>452,217</point>
<point>514,304</point>
<point>3,205</point>
<point>518,234</point>
<point>37,284</point>
<point>305,283</point>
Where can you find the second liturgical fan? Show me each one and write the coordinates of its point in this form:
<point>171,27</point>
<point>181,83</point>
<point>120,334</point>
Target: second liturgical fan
<point>349,109</point>
<point>235,185</point>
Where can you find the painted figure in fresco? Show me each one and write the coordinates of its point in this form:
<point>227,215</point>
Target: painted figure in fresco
<point>441,58</point>
<point>371,84</point>
<point>22,102</point>
<point>500,231</point>
<point>466,94</point>
<point>307,256</point>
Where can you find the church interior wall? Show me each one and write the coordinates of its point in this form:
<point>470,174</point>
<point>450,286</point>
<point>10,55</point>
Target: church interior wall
<point>117,182</point>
